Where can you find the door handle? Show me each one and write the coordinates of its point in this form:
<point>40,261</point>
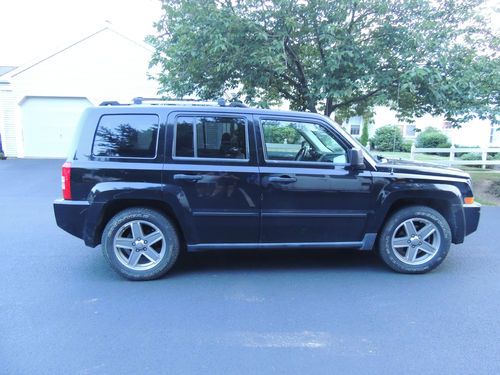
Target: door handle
<point>187,177</point>
<point>282,179</point>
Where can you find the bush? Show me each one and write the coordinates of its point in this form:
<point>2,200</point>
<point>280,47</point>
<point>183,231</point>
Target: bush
<point>388,138</point>
<point>475,156</point>
<point>276,134</point>
<point>406,146</point>
<point>432,138</point>
<point>495,188</point>
<point>471,156</point>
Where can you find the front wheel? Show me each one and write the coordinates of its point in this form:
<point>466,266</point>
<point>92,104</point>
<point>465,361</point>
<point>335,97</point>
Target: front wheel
<point>415,240</point>
<point>140,244</point>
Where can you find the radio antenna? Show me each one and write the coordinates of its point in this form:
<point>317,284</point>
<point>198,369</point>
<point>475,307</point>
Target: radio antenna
<point>395,128</point>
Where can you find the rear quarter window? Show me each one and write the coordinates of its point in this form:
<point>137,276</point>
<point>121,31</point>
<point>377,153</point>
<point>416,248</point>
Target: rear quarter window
<point>126,136</point>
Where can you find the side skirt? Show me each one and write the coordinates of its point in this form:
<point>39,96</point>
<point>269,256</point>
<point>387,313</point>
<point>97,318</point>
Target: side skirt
<point>366,244</point>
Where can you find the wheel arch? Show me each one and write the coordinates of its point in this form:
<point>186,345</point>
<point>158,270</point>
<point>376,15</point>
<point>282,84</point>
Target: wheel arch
<point>444,198</point>
<point>112,208</point>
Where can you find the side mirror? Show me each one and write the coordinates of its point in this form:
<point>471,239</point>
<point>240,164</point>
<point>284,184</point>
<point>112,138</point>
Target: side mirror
<point>356,159</point>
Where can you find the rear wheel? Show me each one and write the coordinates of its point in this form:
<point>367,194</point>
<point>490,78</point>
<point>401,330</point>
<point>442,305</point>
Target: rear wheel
<point>415,240</point>
<point>140,244</point>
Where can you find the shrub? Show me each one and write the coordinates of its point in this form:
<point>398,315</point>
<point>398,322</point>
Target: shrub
<point>406,146</point>
<point>475,156</point>
<point>277,134</point>
<point>471,156</point>
<point>495,188</point>
<point>388,138</point>
<point>432,138</point>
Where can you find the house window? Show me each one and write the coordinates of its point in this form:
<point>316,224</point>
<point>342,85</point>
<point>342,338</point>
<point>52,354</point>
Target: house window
<point>355,125</point>
<point>410,130</point>
<point>127,136</point>
<point>355,129</point>
<point>211,137</point>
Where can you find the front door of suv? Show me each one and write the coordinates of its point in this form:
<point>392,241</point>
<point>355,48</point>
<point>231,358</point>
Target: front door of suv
<point>213,173</point>
<point>309,195</point>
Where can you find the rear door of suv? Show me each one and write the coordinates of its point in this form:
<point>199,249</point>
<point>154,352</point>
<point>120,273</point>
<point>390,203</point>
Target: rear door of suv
<point>211,168</point>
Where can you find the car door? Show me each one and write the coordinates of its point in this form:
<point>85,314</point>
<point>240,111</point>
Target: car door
<point>309,194</point>
<point>214,170</point>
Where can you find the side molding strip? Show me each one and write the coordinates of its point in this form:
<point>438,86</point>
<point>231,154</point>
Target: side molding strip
<point>366,244</point>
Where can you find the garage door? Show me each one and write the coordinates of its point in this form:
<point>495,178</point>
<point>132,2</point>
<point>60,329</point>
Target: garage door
<point>49,123</point>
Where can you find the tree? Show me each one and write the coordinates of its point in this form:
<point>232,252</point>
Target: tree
<point>364,133</point>
<point>417,56</point>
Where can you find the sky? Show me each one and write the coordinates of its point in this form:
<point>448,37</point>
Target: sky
<point>31,29</point>
<point>34,28</point>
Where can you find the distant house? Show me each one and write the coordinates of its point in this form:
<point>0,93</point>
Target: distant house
<point>474,133</point>
<point>41,102</point>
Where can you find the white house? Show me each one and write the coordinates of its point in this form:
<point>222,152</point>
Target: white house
<point>41,102</point>
<point>473,133</point>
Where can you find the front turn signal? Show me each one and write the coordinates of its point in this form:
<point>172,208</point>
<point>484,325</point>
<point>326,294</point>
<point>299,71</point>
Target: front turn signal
<point>469,200</point>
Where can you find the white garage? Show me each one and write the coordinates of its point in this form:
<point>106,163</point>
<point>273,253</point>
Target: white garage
<point>49,124</point>
<point>41,101</point>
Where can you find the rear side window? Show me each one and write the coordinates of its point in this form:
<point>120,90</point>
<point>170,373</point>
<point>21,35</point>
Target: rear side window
<point>126,136</point>
<point>211,137</point>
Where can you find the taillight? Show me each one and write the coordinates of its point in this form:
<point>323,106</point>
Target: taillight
<point>66,180</point>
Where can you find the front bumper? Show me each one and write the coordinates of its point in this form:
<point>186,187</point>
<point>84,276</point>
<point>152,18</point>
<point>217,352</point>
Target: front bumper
<point>472,213</point>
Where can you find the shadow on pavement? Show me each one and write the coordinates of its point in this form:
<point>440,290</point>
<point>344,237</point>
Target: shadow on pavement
<point>269,260</point>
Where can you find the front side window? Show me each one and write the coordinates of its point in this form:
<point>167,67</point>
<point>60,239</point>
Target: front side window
<point>126,136</point>
<point>300,141</point>
<point>211,137</point>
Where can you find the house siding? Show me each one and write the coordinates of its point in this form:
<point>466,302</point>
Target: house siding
<point>8,124</point>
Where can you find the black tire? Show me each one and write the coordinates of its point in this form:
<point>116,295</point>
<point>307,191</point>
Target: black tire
<point>400,257</point>
<point>167,247</point>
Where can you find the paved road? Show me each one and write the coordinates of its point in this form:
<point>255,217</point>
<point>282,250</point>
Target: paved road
<point>63,311</point>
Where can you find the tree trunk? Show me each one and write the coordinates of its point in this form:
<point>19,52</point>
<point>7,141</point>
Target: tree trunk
<point>328,107</point>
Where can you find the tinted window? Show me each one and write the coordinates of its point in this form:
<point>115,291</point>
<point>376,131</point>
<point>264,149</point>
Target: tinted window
<point>184,137</point>
<point>211,137</point>
<point>126,136</point>
<point>300,141</point>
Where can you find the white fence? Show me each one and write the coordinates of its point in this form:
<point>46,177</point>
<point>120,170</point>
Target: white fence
<point>484,151</point>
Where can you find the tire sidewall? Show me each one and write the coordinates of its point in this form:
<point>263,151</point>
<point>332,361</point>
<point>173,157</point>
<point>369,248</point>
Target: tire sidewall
<point>419,212</point>
<point>149,215</point>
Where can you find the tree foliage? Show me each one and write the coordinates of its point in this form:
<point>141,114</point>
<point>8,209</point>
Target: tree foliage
<point>417,56</point>
<point>364,133</point>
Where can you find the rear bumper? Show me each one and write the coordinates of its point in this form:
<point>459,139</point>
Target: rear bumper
<point>71,215</point>
<point>472,213</point>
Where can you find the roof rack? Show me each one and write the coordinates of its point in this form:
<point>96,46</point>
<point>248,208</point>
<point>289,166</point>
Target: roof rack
<point>221,102</point>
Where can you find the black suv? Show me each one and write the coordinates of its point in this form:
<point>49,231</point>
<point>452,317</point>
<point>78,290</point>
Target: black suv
<point>146,181</point>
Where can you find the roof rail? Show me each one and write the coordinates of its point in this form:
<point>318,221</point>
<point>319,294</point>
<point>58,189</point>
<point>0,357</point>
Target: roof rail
<point>110,102</point>
<point>221,102</point>
<point>173,101</point>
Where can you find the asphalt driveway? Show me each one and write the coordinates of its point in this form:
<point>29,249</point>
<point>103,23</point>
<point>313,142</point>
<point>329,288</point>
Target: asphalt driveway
<point>63,311</point>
